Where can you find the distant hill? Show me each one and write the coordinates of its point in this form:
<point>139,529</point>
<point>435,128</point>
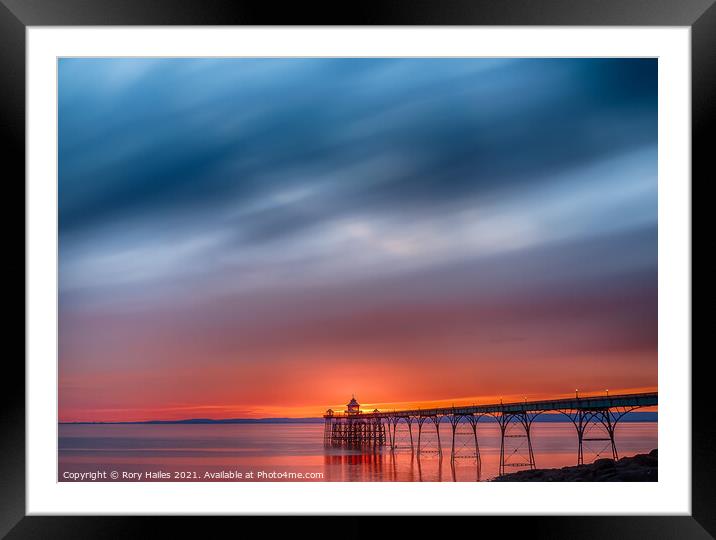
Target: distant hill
<point>636,416</point>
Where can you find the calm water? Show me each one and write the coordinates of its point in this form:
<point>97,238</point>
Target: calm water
<point>188,452</point>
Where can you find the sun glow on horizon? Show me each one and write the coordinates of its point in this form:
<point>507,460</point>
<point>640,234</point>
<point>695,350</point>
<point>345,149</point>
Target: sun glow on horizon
<point>222,412</point>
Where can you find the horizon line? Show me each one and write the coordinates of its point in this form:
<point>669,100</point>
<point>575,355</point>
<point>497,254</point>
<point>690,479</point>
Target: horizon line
<point>275,419</point>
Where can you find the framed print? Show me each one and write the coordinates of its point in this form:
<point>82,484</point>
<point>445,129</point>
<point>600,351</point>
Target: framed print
<point>428,260</point>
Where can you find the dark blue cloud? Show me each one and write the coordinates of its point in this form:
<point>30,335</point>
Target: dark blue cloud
<point>147,137</point>
<point>193,177</point>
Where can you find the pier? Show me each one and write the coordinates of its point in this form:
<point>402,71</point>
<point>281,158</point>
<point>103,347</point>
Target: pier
<point>595,419</point>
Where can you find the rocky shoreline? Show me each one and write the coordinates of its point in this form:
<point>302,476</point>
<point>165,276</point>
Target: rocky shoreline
<point>638,468</point>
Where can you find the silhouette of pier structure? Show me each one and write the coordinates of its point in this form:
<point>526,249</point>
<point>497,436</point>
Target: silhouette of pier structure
<point>595,419</point>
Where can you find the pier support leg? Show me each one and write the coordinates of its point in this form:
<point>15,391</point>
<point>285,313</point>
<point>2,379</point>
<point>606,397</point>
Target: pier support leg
<point>527,424</point>
<point>473,424</point>
<point>436,421</point>
<point>410,430</point>
<point>421,420</point>
<point>581,420</point>
<point>395,426</point>
<point>452,447</point>
<point>607,418</point>
<point>610,419</point>
<point>525,420</point>
<point>501,419</point>
<point>580,438</point>
<point>610,430</point>
<point>454,421</point>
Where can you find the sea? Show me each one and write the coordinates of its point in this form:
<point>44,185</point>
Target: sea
<point>296,452</point>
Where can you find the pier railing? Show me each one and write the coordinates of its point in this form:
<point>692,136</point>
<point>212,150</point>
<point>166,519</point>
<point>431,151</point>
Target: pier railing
<point>557,405</point>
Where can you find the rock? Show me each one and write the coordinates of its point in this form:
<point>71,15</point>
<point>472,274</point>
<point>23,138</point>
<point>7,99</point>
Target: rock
<point>642,459</point>
<point>639,468</point>
<point>604,463</point>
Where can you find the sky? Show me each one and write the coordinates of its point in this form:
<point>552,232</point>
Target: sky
<point>266,237</point>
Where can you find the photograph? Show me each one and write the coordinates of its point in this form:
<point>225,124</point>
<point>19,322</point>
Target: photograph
<point>357,269</point>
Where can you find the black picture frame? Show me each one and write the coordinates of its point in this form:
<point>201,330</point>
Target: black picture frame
<point>16,15</point>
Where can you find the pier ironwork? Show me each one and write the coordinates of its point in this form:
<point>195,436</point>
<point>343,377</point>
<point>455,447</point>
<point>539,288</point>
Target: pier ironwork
<point>595,419</point>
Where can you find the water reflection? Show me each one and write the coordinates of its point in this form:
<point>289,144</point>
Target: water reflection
<point>299,448</point>
<point>384,465</point>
